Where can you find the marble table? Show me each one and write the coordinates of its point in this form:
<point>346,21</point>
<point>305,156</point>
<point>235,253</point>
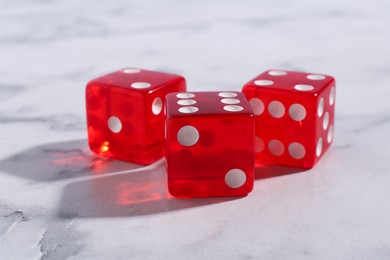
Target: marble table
<point>59,201</point>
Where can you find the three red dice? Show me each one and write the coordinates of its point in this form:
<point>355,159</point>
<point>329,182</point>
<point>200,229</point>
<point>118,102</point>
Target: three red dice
<point>294,114</point>
<point>212,139</point>
<point>210,144</point>
<point>125,113</point>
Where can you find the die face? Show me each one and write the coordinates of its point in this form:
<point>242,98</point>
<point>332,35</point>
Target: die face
<point>127,123</point>
<point>304,84</point>
<point>113,128</point>
<point>140,80</point>
<point>197,104</point>
<point>286,105</point>
<point>209,152</point>
<point>325,120</point>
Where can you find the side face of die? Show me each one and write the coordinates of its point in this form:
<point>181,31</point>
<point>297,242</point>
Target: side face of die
<point>294,115</point>
<point>125,114</point>
<point>210,149</point>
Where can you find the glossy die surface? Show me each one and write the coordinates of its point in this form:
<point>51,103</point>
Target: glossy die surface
<point>210,149</point>
<point>294,114</point>
<point>125,113</point>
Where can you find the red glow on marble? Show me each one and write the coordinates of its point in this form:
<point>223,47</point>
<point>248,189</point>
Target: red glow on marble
<point>136,194</point>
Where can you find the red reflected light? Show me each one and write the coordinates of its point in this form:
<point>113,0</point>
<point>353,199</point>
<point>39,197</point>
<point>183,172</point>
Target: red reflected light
<point>132,194</point>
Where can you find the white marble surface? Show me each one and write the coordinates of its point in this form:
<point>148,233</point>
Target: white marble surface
<point>58,201</point>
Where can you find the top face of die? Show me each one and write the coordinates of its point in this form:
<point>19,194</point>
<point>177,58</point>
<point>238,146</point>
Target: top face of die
<point>291,81</point>
<point>137,79</point>
<point>207,103</point>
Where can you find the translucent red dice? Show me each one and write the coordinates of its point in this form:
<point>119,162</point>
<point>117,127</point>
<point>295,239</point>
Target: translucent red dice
<point>125,113</point>
<point>210,144</point>
<point>294,114</point>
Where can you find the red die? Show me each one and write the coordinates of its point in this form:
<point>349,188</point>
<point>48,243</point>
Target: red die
<point>210,144</point>
<point>294,114</point>
<point>125,113</point>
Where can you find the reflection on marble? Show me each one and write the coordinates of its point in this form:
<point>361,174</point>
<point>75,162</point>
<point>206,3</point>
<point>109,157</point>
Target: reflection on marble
<point>138,192</point>
<point>59,201</point>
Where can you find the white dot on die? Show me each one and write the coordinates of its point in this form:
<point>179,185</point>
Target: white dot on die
<point>276,147</point>
<point>140,85</point>
<point>320,109</point>
<point>319,147</point>
<point>188,135</point>
<point>259,144</point>
<point>235,178</point>
<point>131,71</point>
<point>232,108</point>
<point>297,112</point>
<point>257,106</point>
<point>186,102</point>
<point>332,96</point>
<point>325,123</point>
<point>157,106</point>
<point>263,82</point>
<point>114,124</point>
<point>188,110</point>
<point>276,109</point>
<point>330,134</point>
<point>303,87</point>
<point>296,150</point>
<point>227,94</point>
<point>277,73</point>
<point>230,101</point>
<point>315,77</point>
<point>185,95</point>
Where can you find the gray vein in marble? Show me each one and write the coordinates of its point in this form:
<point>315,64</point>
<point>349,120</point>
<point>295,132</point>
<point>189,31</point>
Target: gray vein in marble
<point>61,122</point>
<point>8,91</point>
<point>13,217</point>
<point>60,241</point>
<point>376,122</point>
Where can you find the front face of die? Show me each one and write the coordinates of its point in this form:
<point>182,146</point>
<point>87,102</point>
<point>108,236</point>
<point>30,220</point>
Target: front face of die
<point>125,114</point>
<point>294,114</point>
<point>210,150</point>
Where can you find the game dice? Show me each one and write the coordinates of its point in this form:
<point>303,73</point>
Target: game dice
<point>210,144</point>
<point>294,114</point>
<point>125,113</point>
